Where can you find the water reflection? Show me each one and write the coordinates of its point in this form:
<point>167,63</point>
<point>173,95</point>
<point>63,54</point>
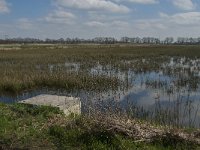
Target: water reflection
<point>170,91</point>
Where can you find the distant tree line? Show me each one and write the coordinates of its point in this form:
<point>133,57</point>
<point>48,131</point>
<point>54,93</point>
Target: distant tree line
<point>104,40</point>
<point>167,40</point>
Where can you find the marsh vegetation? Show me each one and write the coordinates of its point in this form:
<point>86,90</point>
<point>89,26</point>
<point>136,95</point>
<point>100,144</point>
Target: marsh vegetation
<point>155,83</point>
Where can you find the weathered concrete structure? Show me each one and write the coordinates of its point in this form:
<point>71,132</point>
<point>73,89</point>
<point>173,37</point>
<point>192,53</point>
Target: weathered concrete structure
<point>66,104</point>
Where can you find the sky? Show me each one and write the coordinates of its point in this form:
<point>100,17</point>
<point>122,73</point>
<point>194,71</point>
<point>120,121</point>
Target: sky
<point>99,18</point>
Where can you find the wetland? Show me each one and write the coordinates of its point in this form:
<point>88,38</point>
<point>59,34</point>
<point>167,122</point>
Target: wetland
<point>155,83</point>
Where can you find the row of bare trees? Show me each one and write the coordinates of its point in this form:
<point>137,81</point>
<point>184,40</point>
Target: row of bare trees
<point>106,40</point>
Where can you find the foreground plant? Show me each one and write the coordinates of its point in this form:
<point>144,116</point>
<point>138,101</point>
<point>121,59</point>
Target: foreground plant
<point>30,127</point>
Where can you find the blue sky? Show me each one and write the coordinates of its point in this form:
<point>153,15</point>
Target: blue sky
<point>94,18</point>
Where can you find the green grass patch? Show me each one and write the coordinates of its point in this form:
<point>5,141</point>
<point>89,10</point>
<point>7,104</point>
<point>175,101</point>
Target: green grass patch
<point>29,127</point>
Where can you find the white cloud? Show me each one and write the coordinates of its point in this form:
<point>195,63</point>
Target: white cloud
<point>189,18</point>
<point>60,16</point>
<point>184,4</point>
<point>144,1</point>
<point>177,22</point>
<point>4,7</point>
<point>104,5</point>
<point>170,22</point>
<point>151,24</point>
<point>95,24</point>
<point>108,24</point>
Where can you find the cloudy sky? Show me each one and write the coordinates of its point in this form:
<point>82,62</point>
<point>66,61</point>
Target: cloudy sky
<point>94,18</point>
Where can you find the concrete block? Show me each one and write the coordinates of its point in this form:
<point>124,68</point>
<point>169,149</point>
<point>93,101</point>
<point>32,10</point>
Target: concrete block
<point>66,104</point>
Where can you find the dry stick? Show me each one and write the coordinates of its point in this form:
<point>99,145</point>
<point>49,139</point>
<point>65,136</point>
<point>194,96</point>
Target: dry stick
<point>142,131</point>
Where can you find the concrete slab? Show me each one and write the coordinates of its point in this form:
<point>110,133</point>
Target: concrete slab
<point>66,104</point>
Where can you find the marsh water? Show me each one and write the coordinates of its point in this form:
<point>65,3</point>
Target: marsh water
<point>168,93</point>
